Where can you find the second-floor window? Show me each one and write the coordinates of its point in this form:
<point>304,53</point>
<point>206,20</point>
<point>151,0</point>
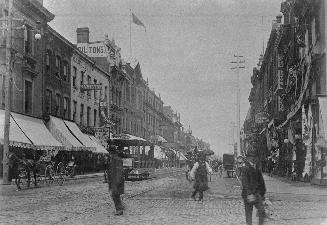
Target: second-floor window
<point>74,110</point>
<point>66,106</point>
<point>88,114</point>
<point>74,76</point>
<point>95,91</point>
<point>81,114</point>
<point>28,98</point>
<point>82,77</point>
<point>58,98</point>
<point>48,101</point>
<point>88,82</point>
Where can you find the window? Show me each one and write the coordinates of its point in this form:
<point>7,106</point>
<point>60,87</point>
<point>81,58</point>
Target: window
<point>82,77</point>
<point>47,62</point>
<point>88,112</point>
<point>58,63</point>
<point>95,117</point>
<point>89,82</point>
<point>28,97</point>
<point>58,97</point>
<point>105,93</point>
<point>95,91</point>
<point>81,116</point>
<point>66,71</point>
<point>28,40</point>
<point>74,76</point>
<point>66,106</point>
<point>74,110</point>
<point>48,101</point>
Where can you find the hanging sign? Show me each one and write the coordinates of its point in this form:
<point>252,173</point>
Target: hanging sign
<point>87,87</point>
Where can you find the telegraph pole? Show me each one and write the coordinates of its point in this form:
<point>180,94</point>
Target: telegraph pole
<point>5,161</point>
<point>239,65</point>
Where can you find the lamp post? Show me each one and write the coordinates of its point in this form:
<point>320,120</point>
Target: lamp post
<point>238,67</point>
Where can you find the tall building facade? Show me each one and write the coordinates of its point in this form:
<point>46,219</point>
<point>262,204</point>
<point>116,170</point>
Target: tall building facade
<point>289,91</point>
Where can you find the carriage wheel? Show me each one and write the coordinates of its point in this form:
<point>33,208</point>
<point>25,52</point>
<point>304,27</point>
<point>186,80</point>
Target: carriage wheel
<point>60,173</point>
<point>49,174</point>
<point>22,179</point>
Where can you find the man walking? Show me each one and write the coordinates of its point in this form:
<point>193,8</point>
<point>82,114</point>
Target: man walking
<point>116,179</point>
<point>253,188</point>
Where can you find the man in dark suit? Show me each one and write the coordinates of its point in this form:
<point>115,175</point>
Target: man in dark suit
<point>253,188</point>
<point>116,179</point>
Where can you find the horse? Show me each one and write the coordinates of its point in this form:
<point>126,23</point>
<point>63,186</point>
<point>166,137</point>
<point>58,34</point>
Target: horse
<point>21,166</point>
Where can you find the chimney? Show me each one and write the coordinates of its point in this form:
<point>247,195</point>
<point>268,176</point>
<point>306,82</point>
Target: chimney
<point>83,35</point>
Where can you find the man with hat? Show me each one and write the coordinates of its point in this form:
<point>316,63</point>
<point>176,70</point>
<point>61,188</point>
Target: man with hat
<point>116,177</point>
<point>253,186</point>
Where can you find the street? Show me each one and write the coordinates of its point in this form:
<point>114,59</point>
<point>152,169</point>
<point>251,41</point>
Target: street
<point>165,200</point>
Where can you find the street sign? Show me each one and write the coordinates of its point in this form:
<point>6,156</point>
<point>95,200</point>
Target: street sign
<point>87,87</point>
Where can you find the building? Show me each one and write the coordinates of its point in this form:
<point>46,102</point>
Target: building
<point>27,70</point>
<point>289,90</point>
<point>85,104</point>
<point>57,70</point>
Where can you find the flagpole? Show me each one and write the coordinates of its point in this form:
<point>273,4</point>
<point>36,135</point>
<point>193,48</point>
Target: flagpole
<point>130,34</point>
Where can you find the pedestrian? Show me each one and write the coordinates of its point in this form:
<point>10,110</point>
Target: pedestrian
<point>253,188</point>
<point>220,170</point>
<point>116,178</point>
<point>199,173</point>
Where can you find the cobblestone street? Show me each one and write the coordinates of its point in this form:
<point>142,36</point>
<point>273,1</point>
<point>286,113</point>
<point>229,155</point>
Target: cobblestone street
<point>160,201</point>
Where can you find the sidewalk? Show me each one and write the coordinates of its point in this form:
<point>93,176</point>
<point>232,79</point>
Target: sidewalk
<point>280,185</point>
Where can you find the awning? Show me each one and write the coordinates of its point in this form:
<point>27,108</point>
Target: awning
<point>96,143</point>
<point>322,137</point>
<point>36,132</point>
<point>16,136</point>
<point>73,128</point>
<point>128,140</point>
<point>158,138</point>
<point>61,133</point>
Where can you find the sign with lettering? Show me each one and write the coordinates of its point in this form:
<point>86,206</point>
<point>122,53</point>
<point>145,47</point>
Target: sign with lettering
<point>86,87</point>
<point>93,49</point>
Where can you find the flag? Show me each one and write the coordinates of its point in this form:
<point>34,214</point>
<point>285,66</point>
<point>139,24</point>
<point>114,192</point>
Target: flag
<point>137,21</point>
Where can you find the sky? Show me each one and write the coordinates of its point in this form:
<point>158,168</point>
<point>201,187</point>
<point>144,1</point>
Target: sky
<point>185,52</point>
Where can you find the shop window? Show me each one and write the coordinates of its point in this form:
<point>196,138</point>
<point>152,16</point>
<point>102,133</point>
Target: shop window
<point>28,98</point>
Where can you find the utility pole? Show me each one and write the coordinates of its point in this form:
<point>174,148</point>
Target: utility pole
<point>239,65</point>
<point>5,161</point>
